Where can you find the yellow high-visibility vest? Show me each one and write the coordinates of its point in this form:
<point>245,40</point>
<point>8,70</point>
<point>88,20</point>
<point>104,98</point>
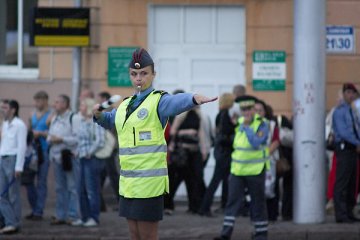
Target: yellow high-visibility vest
<point>247,160</point>
<point>142,150</point>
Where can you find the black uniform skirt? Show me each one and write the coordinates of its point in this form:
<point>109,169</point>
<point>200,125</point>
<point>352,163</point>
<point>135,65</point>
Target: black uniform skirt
<point>142,209</point>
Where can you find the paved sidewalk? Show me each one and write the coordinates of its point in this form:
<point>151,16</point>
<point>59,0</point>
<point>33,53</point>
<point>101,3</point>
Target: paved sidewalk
<point>182,225</point>
<point>179,226</point>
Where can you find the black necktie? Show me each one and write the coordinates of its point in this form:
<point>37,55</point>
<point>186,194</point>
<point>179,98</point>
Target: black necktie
<point>129,108</point>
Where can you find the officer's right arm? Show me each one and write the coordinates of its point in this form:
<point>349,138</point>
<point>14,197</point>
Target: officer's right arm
<point>104,119</point>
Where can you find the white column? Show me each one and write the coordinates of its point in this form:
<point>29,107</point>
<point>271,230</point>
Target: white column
<point>76,74</point>
<point>3,17</point>
<point>309,111</point>
<point>20,35</point>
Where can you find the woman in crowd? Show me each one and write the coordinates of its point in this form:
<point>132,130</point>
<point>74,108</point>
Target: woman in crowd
<point>222,152</point>
<point>91,137</point>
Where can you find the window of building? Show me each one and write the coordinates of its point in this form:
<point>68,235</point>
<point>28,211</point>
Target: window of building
<point>17,58</point>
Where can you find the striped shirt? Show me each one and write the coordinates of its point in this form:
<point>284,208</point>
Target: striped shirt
<point>91,137</point>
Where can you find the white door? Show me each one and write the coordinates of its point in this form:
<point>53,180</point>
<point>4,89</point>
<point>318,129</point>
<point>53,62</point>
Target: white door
<point>199,49</point>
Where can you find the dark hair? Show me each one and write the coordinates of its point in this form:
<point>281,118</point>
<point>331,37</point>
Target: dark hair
<point>13,104</point>
<point>41,95</point>
<point>66,99</point>
<point>267,108</point>
<point>105,95</point>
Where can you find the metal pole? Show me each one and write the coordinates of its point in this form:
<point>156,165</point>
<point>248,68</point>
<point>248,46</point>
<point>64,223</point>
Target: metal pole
<point>309,111</point>
<point>20,35</point>
<point>3,17</point>
<point>76,74</point>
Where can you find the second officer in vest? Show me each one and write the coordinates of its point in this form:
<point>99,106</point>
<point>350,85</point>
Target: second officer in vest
<point>249,162</point>
<point>140,122</point>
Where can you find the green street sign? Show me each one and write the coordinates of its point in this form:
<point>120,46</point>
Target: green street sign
<point>269,71</point>
<point>118,66</point>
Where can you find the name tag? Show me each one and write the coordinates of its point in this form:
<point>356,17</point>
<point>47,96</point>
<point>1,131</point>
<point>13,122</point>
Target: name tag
<point>144,136</point>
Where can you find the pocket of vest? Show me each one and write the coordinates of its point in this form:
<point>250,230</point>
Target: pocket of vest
<point>134,136</point>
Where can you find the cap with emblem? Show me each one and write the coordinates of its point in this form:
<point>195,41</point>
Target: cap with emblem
<point>246,101</point>
<point>140,59</point>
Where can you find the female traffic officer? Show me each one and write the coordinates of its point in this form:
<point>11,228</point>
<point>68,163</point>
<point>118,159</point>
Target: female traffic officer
<point>140,122</point>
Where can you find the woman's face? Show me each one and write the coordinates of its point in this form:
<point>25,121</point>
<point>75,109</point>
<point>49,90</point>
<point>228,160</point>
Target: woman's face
<point>259,109</point>
<point>142,78</point>
<point>83,109</point>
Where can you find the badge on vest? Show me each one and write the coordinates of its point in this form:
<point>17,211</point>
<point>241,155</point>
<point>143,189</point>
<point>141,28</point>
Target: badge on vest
<point>144,135</point>
<point>142,113</point>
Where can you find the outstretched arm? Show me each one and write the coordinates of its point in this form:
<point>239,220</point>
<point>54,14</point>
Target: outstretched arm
<point>200,99</point>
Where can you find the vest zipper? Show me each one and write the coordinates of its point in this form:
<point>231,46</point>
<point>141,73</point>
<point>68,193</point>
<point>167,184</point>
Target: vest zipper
<point>134,136</point>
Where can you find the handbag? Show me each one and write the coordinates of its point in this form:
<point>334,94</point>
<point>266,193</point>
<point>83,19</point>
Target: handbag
<point>282,164</point>
<point>66,159</point>
<point>330,142</point>
<point>108,148</point>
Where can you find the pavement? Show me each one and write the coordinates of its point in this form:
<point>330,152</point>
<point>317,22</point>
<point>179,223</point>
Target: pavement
<point>179,226</point>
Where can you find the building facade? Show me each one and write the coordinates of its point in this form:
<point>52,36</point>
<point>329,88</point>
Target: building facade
<point>203,46</point>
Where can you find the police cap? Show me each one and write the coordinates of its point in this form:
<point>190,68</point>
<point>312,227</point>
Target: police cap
<point>246,101</point>
<point>140,59</point>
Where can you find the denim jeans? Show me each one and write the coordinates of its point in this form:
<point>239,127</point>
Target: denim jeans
<point>67,201</point>
<point>90,188</point>
<point>37,192</point>
<point>10,202</point>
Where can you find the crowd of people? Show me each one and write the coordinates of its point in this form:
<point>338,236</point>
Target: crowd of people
<point>171,140</point>
<point>82,155</point>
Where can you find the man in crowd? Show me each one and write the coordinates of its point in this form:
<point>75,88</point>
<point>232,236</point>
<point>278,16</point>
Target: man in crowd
<point>347,146</point>
<point>62,141</point>
<point>37,193</point>
<point>12,157</point>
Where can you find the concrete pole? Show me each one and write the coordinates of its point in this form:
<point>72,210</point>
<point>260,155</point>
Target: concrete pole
<point>309,111</point>
<point>76,74</point>
<point>3,16</point>
<point>20,35</point>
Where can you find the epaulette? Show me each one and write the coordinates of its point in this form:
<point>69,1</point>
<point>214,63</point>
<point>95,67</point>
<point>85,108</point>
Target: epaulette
<point>162,92</point>
<point>127,98</point>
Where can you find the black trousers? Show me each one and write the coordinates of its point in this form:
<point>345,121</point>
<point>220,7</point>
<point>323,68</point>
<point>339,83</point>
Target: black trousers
<point>258,212</point>
<point>345,183</point>
<point>192,175</point>
<point>221,174</point>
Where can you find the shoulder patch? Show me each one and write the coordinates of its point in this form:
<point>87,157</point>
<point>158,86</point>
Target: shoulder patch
<point>161,92</point>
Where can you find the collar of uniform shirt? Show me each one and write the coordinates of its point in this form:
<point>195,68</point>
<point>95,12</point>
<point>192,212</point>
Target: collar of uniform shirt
<point>143,94</point>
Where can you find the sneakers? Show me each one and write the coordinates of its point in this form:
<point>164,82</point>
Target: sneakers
<point>9,230</point>
<point>76,223</point>
<point>90,223</point>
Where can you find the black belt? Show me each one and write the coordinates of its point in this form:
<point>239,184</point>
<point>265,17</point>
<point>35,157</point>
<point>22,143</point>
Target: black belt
<point>344,145</point>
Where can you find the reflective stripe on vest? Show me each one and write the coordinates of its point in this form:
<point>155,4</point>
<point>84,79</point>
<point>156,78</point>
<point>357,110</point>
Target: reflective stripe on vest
<point>144,173</point>
<point>261,160</point>
<point>251,148</point>
<point>142,150</point>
